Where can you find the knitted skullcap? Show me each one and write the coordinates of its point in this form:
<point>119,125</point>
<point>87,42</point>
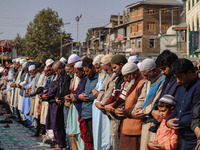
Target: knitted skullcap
<point>78,64</point>
<point>147,64</point>
<point>97,59</point>
<point>129,67</point>
<point>73,58</point>
<point>133,59</point>
<point>117,59</point>
<point>106,59</point>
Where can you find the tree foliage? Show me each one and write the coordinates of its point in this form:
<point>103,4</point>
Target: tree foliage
<point>88,35</point>
<point>20,45</point>
<point>43,36</point>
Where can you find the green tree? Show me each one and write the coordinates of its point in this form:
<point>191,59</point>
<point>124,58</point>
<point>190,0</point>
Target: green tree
<point>88,35</point>
<point>20,45</point>
<point>43,36</point>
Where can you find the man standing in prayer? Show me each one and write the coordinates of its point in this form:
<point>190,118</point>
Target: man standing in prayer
<point>87,96</point>
<point>143,108</point>
<point>55,117</point>
<point>187,96</point>
<point>131,128</point>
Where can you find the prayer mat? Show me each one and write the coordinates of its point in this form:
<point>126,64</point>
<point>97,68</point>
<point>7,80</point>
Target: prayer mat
<point>18,137</point>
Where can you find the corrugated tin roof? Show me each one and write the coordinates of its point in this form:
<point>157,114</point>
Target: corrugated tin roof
<point>156,2</point>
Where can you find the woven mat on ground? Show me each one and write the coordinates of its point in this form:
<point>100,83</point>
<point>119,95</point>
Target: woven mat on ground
<point>18,137</point>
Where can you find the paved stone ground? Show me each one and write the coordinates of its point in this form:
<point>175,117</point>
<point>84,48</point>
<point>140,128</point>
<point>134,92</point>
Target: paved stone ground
<point>18,137</point>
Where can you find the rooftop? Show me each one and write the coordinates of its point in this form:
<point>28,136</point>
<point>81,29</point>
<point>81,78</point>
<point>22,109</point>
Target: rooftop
<point>156,2</point>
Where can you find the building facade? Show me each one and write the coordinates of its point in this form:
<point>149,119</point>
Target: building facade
<point>150,18</point>
<point>192,21</point>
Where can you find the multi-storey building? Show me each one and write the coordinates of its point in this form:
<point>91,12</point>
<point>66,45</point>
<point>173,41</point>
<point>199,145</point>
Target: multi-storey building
<point>148,20</point>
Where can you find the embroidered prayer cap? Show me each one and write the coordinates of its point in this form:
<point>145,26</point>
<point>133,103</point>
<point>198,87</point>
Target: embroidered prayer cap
<point>22,61</point>
<point>168,99</point>
<point>24,65</point>
<point>49,62</point>
<point>133,59</point>
<point>78,64</point>
<point>129,67</point>
<point>106,59</point>
<point>97,59</point>
<point>147,64</point>
<point>63,60</point>
<point>31,67</point>
<point>117,59</point>
<point>73,58</point>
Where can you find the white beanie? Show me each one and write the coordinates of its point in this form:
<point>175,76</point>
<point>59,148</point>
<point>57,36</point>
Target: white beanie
<point>147,64</point>
<point>97,59</point>
<point>14,60</point>
<point>2,70</point>
<point>24,65</point>
<point>18,60</point>
<point>49,62</point>
<point>22,61</point>
<point>133,59</point>
<point>73,58</point>
<point>129,67</point>
<point>78,64</point>
<point>31,67</point>
<point>63,60</point>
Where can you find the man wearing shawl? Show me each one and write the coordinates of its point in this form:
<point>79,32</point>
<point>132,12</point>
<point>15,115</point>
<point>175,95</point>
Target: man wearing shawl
<point>151,73</point>
<point>130,128</point>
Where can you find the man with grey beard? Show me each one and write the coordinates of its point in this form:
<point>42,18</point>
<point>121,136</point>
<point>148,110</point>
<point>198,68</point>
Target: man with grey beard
<point>117,96</point>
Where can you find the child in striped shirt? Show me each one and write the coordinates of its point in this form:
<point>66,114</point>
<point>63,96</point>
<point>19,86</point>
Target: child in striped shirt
<point>166,138</point>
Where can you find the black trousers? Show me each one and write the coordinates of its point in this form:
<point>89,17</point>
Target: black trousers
<point>39,127</point>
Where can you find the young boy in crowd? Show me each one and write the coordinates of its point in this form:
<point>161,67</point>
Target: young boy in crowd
<point>166,138</point>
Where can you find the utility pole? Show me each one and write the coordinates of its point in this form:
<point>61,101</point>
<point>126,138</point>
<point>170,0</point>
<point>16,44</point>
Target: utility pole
<point>160,21</point>
<point>172,16</point>
<point>1,52</point>
<point>61,39</point>
<point>77,20</point>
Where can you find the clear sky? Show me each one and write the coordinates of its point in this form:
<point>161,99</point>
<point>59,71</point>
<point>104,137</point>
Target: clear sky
<point>15,15</point>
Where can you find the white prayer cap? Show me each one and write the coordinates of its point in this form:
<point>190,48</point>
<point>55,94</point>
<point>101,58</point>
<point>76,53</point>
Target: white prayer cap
<point>73,58</point>
<point>63,60</point>
<point>105,60</point>
<point>133,59</point>
<point>129,67</point>
<point>139,65</point>
<point>14,60</point>
<point>18,60</point>
<point>147,64</point>
<point>78,64</point>
<point>168,99</point>
<point>31,67</point>
<point>49,62</point>
<point>2,70</point>
<point>24,65</point>
<point>22,61</point>
<point>97,59</point>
